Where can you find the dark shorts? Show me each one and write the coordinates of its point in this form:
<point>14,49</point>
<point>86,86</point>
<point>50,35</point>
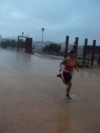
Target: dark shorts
<point>67,76</point>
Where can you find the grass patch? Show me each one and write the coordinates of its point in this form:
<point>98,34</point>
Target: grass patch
<point>49,57</point>
<point>96,66</point>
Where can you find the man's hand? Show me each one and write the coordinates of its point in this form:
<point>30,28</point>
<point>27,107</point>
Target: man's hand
<point>76,68</point>
<point>60,69</point>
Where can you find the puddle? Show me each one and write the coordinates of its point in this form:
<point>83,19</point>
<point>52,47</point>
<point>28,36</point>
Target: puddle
<point>74,97</point>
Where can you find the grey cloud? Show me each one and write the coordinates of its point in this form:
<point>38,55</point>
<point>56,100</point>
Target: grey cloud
<point>59,18</point>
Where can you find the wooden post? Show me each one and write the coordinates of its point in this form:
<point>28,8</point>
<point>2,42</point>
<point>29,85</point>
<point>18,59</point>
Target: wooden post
<point>18,44</point>
<point>93,53</point>
<point>84,51</point>
<point>28,45</point>
<point>76,44</point>
<point>99,59</point>
<point>66,46</point>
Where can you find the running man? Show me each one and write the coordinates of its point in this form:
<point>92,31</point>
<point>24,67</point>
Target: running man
<point>69,63</point>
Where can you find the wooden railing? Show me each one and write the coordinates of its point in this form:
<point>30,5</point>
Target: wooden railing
<point>82,61</point>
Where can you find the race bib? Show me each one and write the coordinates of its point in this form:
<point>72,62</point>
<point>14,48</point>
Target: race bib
<point>70,73</point>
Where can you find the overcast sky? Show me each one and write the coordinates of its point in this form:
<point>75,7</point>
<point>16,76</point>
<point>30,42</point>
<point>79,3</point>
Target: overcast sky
<point>75,18</point>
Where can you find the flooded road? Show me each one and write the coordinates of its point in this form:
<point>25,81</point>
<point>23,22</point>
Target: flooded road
<point>32,97</point>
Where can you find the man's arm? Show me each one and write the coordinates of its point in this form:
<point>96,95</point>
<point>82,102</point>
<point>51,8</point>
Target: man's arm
<point>62,63</point>
<point>76,68</point>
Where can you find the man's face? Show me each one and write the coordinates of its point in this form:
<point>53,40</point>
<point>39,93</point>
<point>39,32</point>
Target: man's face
<point>73,55</point>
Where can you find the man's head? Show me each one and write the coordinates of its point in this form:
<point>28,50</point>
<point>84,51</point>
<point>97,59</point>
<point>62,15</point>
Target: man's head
<point>73,53</point>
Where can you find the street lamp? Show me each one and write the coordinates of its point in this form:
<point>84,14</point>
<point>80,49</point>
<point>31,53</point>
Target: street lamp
<point>42,37</point>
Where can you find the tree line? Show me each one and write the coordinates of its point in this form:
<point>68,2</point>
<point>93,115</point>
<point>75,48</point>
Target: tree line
<point>12,43</point>
<point>52,48</point>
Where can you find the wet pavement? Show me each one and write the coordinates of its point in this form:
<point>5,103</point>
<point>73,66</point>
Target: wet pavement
<point>32,98</point>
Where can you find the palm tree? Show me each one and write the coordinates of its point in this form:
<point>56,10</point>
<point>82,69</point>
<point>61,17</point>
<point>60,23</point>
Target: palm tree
<point>42,36</point>
<point>22,33</point>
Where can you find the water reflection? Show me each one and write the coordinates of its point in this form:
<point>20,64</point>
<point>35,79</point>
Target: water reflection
<point>40,74</point>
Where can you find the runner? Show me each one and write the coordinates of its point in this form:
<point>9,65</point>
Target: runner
<point>69,63</point>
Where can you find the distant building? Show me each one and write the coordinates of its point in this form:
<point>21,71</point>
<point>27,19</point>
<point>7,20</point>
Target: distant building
<point>70,47</point>
<point>0,38</point>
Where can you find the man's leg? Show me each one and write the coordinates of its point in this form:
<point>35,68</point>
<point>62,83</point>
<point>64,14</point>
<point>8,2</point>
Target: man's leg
<point>68,89</point>
<point>61,76</point>
<point>64,81</point>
